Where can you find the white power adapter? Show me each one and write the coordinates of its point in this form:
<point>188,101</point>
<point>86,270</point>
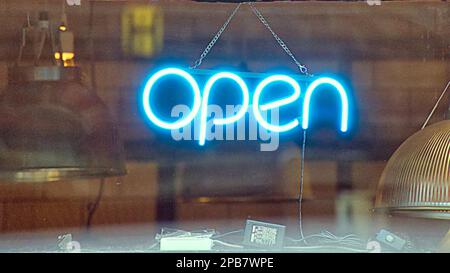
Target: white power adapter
<point>185,243</point>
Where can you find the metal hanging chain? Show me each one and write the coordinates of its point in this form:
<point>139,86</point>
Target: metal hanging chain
<point>205,52</point>
<point>303,69</point>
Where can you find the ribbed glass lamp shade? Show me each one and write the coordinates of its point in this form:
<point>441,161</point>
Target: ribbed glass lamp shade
<point>53,128</point>
<point>416,180</point>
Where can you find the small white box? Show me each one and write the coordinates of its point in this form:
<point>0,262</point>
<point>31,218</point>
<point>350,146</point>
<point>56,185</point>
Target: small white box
<point>185,244</point>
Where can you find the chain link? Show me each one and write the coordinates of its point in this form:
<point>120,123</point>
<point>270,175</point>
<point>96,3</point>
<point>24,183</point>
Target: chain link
<point>205,52</point>
<point>303,69</point>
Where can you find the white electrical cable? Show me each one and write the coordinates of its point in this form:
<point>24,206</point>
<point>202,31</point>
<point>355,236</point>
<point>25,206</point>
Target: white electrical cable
<point>170,232</point>
<point>435,106</point>
<point>227,234</point>
<point>326,237</point>
<point>307,248</point>
<point>227,244</point>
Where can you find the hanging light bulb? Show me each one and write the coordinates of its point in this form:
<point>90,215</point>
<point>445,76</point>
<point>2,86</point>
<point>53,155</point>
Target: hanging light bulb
<point>52,127</point>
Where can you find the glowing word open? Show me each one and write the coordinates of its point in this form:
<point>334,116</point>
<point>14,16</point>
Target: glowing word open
<point>201,101</point>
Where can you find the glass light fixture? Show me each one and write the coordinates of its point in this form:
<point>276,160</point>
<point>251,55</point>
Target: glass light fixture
<point>416,180</point>
<point>52,127</point>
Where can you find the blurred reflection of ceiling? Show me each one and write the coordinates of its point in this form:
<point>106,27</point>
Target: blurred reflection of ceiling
<point>312,29</point>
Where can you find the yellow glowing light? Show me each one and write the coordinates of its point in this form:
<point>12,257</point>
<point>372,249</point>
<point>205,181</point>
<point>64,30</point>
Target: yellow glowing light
<point>62,28</point>
<point>67,56</point>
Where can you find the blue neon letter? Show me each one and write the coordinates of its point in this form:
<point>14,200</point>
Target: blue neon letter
<point>147,92</point>
<point>227,120</point>
<point>276,103</point>
<point>342,94</point>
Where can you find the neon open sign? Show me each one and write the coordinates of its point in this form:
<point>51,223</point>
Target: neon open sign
<point>201,101</point>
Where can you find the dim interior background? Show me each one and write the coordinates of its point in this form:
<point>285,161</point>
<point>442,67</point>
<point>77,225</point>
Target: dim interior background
<point>395,57</point>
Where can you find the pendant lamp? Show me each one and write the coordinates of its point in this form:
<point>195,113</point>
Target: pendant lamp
<point>52,127</point>
<point>416,180</point>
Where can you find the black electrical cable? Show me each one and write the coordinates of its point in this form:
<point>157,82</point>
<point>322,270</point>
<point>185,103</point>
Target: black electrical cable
<point>92,207</point>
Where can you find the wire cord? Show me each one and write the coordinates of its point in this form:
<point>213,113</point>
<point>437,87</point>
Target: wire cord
<point>300,193</point>
<point>92,208</point>
<point>435,106</point>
